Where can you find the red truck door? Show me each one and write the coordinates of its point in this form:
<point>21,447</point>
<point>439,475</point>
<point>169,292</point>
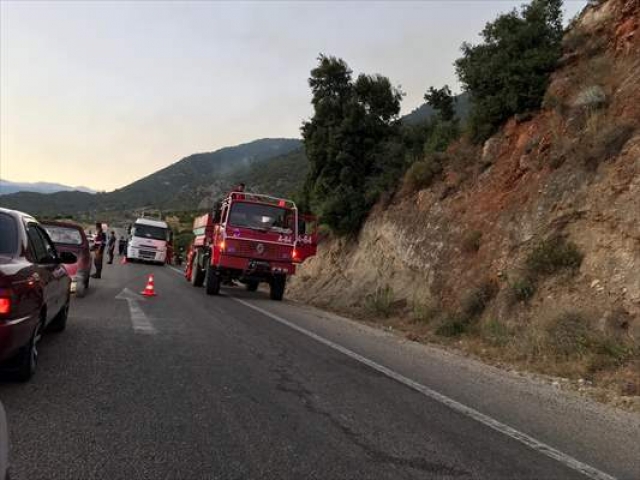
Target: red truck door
<point>307,242</point>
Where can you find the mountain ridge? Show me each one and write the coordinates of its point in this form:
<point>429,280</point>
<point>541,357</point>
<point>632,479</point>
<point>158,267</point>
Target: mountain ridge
<point>194,181</point>
<point>7,187</point>
<point>181,185</point>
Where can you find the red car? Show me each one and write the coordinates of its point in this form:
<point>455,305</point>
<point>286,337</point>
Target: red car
<point>34,291</point>
<point>70,237</point>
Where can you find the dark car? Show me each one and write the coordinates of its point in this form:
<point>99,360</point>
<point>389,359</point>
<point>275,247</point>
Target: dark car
<point>70,237</point>
<point>34,291</point>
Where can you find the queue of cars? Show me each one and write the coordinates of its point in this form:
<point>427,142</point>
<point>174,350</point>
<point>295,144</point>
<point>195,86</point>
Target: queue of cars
<point>34,291</point>
<point>41,265</point>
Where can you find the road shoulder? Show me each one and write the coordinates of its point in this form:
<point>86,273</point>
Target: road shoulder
<point>603,436</point>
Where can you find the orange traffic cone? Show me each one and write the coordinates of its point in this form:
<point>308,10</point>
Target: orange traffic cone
<point>123,261</point>
<point>149,291</point>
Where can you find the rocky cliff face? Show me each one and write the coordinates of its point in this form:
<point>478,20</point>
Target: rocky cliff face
<point>570,171</point>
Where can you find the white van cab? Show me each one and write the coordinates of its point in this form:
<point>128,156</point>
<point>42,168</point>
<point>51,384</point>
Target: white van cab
<point>148,240</point>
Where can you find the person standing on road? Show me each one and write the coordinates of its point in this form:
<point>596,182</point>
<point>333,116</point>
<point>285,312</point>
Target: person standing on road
<point>99,245</point>
<point>111,246</point>
<point>122,243</point>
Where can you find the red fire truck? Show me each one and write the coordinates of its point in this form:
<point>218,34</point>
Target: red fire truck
<point>251,238</point>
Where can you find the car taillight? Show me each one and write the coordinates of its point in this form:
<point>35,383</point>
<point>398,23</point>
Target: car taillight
<point>222,245</point>
<point>5,305</point>
<point>295,254</point>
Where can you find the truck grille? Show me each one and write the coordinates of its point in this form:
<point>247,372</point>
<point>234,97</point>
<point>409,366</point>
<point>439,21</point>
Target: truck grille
<point>147,255</point>
<point>258,250</point>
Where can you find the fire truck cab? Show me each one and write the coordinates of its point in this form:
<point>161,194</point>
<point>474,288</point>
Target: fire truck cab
<point>250,238</point>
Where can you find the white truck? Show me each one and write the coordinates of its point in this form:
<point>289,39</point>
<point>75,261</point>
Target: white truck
<point>148,240</point>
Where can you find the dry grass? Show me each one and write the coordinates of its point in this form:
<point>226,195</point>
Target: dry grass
<point>452,325</point>
<point>424,313</point>
<point>567,345</point>
<point>495,333</point>
<point>380,303</point>
<point>570,336</point>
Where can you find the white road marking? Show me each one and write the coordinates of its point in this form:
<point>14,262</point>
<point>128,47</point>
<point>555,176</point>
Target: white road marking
<point>181,272</point>
<point>490,422</point>
<point>139,320</point>
<point>537,445</point>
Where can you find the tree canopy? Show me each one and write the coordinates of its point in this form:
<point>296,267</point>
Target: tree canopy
<point>348,141</point>
<point>441,100</point>
<point>508,72</point>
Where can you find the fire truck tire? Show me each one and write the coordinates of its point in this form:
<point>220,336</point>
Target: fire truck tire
<point>277,284</point>
<point>252,286</point>
<point>197,275</point>
<point>212,284</point>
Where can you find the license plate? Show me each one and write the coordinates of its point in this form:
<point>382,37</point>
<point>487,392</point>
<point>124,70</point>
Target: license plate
<point>259,265</point>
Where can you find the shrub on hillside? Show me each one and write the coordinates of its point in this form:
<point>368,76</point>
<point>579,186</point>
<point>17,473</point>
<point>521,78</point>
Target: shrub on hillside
<point>508,73</point>
<point>442,135</point>
<point>611,353</point>
<point>552,255</point>
<point>421,174</point>
<point>522,289</point>
<point>476,301</point>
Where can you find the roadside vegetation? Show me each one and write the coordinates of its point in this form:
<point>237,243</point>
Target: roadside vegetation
<point>358,149</point>
<point>508,72</point>
<point>548,257</point>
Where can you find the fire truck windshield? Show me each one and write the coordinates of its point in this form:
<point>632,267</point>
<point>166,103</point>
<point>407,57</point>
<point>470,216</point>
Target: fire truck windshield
<point>261,217</point>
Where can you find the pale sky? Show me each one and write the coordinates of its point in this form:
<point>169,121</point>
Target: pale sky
<point>102,93</point>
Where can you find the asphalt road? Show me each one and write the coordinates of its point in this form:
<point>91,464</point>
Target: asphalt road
<point>185,386</point>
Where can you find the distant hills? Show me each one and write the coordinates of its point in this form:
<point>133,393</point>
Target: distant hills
<point>7,187</point>
<point>191,183</point>
<point>184,184</point>
<point>276,166</point>
<point>52,204</point>
<point>424,112</point>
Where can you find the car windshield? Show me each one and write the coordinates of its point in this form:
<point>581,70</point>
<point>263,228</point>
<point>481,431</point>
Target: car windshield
<point>64,235</point>
<point>261,217</point>
<point>149,231</point>
<point>8,235</point>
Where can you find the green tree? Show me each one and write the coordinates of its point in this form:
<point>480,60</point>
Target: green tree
<point>353,125</point>
<point>445,126</point>
<point>509,71</point>
<point>440,99</point>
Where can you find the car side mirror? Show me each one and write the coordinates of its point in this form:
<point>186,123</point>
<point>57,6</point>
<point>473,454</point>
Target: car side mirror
<point>67,258</point>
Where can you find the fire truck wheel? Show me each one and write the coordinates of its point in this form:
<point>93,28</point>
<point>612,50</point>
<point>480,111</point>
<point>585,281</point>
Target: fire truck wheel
<point>212,283</point>
<point>277,285</point>
<point>197,275</point>
<point>252,286</point>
